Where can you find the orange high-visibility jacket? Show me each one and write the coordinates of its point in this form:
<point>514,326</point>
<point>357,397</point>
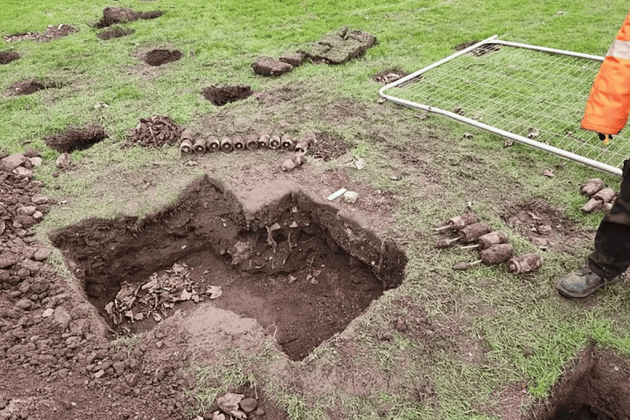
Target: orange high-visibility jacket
<point>609,102</point>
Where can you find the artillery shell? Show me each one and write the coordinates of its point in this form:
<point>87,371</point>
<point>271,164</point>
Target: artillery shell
<point>525,263</point>
<point>186,146</point>
<point>592,186</point>
<point>187,135</point>
<point>214,144</point>
<point>286,142</point>
<point>444,243</point>
<point>251,142</point>
<point>200,146</point>
<point>606,195</point>
<point>263,141</point>
<point>470,233</point>
<point>592,205</point>
<point>460,222</point>
<point>301,146</point>
<point>496,254</point>
<point>238,143</point>
<point>490,239</point>
<point>274,142</point>
<point>226,145</point>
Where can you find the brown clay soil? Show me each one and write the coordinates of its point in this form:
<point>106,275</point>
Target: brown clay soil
<point>114,15</point>
<point>220,96</point>
<point>597,387</point>
<point>158,57</point>
<point>8,56</point>
<point>74,138</point>
<point>295,266</point>
<point>53,32</point>
<point>115,33</point>
<point>327,146</point>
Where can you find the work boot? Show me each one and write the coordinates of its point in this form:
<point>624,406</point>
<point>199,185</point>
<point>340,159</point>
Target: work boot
<point>583,282</point>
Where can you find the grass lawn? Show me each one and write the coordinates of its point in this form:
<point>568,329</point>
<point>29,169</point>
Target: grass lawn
<point>483,319</point>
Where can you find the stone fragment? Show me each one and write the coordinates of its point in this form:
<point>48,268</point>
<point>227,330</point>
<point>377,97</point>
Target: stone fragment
<point>293,58</point>
<point>23,172</point>
<point>73,342</point>
<point>48,313</point>
<point>11,162</point>
<point>39,199</point>
<point>119,368</point>
<point>28,210</point>
<point>38,216</point>
<point>63,160</point>
<point>30,152</point>
<point>8,259</point>
<point>32,266</point>
<point>99,374</point>
<point>61,318</point>
<point>36,161</point>
<point>266,66</point>
<point>41,254</point>
<point>24,304</point>
<point>40,286</point>
<point>248,405</point>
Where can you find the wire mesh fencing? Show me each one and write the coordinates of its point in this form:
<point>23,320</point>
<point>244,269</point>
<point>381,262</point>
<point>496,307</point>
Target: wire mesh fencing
<point>533,94</point>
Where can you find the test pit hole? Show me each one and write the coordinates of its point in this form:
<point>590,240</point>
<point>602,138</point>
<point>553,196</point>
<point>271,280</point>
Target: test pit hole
<point>222,95</point>
<point>299,269</point>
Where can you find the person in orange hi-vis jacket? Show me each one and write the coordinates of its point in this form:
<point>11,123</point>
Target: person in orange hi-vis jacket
<point>606,114</point>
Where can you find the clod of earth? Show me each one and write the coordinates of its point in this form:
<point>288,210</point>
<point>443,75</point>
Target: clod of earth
<point>220,96</point>
<point>293,162</point>
<point>592,187</point>
<point>340,46</point>
<point>113,15</point>
<point>74,138</point>
<point>267,66</point>
<point>8,56</point>
<point>293,58</point>
<point>158,57</point>
<point>525,263</point>
<point>156,131</point>
<point>115,33</point>
<point>338,267</point>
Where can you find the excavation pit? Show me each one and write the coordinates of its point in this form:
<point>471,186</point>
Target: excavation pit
<point>296,266</point>
<point>74,138</point>
<point>220,96</point>
<point>596,388</point>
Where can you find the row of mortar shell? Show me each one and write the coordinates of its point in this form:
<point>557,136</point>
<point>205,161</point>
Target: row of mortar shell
<point>249,142</point>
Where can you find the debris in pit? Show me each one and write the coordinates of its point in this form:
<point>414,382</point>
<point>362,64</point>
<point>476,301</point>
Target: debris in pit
<point>136,302</point>
<point>53,32</point>
<point>389,76</point>
<point>116,32</point>
<point>156,58</point>
<point>113,15</point>
<point>220,96</point>
<point>74,138</point>
<point>156,131</point>
<point>267,66</point>
<point>7,57</point>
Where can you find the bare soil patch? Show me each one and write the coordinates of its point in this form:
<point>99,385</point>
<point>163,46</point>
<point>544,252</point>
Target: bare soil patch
<point>158,57</point>
<point>114,15</point>
<point>597,387</point>
<point>156,131</point>
<point>74,138</point>
<point>327,146</point>
<point>388,76</point>
<point>53,32</point>
<point>220,96</point>
<point>8,56</point>
<point>340,46</point>
<point>28,87</point>
<point>115,33</point>
<point>296,266</point>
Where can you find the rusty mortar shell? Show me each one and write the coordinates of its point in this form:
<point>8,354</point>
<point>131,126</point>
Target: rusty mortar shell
<point>226,145</point>
<point>470,233</point>
<point>460,222</point>
<point>490,239</point>
<point>286,142</point>
<point>274,142</point>
<point>186,146</point>
<point>214,145</point>
<point>200,146</point>
<point>263,141</point>
<point>445,243</point>
<point>301,146</point>
<point>592,186</point>
<point>605,196</point>
<point>525,263</point>
<point>496,254</point>
<point>251,142</point>
<point>592,205</point>
<point>238,143</point>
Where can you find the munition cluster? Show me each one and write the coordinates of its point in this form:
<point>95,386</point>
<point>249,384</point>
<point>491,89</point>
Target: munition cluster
<point>248,142</point>
<point>493,246</point>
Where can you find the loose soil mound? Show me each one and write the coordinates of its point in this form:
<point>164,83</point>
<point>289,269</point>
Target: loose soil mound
<point>596,388</point>
<point>76,138</point>
<point>327,146</point>
<point>220,96</point>
<point>53,32</point>
<point>299,268</point>
<point>159,57</point>
<point>156,131</point>
<point>8,56</point>
<point>115,33</point>
<point>113,15</point>
<point>340,46</point>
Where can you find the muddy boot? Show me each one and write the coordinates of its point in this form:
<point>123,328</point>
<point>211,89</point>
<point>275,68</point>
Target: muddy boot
<point>583,282</point>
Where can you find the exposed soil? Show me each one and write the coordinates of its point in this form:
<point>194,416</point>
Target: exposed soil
<point>388,76</point>
<point>267,66</point>
<point>74,138</point>
<point>479,51</point>
<point>340,46</point>
<point>597,387</point>
<point>115,33</point>
<point>113,15</point>
<point>158,57</point>
<point>53,32</point>
<point>544,226</point>
<point>220,96</point>
<point>327,146</point>
<point>28,87</point>
<point>156,131</point>
<point>8,56</point>
<point>287,265</point>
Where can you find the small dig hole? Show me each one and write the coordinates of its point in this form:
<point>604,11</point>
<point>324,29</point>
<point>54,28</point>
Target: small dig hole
<point>73,138</point>
<point>295,266</point>
<point>596,388</point>
<point>220,96</point>
<point>158,57</point>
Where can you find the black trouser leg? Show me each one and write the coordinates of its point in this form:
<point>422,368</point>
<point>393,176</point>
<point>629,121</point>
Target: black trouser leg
<point>612,242</point>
